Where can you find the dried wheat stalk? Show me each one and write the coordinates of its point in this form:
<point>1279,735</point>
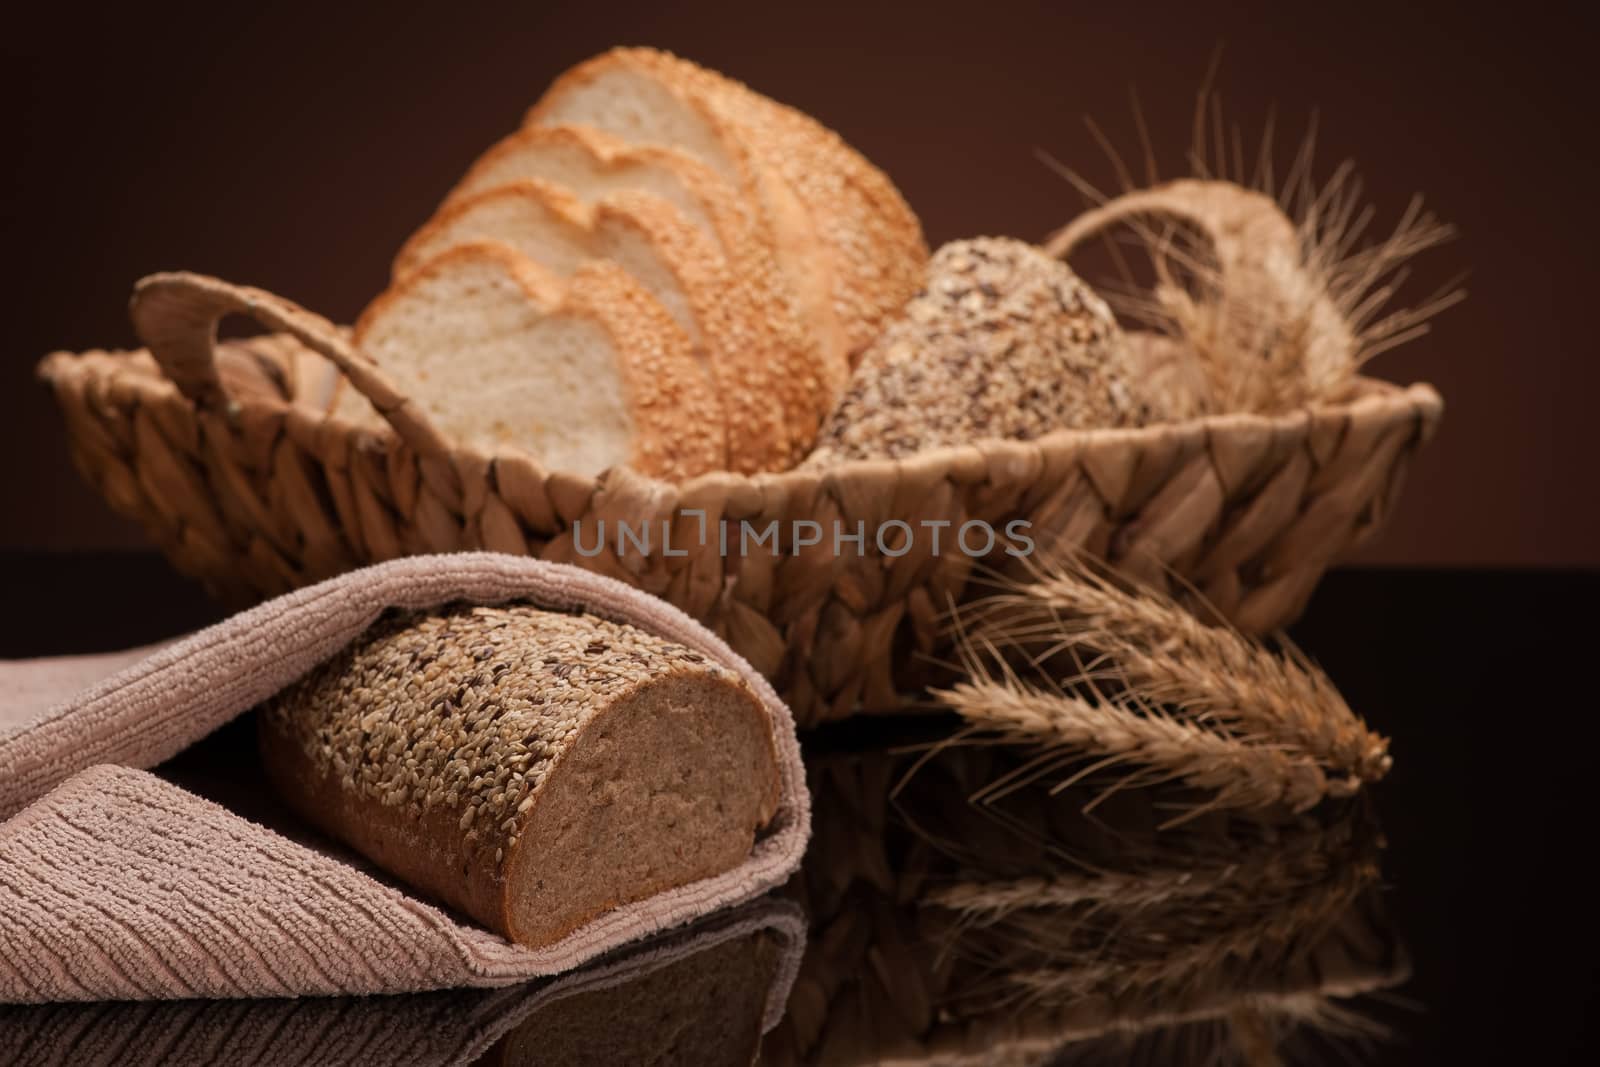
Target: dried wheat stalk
<point>1155,693</point>
<point>1213,675</point>
<point>1152,746</point>
<point>1268,284</point>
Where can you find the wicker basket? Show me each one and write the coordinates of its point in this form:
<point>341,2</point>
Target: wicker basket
<point>247,485</point>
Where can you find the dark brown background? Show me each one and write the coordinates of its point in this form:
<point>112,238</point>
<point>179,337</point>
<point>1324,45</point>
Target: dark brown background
<point>295,147</point>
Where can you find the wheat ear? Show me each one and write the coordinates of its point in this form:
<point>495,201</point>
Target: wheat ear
<point>1210,675</point>
<point>1149,746</point>
<point>1286,315</point>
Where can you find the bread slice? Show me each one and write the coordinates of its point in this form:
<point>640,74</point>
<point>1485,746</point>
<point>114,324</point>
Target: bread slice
<point>533,769</point>
<point>584,375</point>
<point>819,194</point>
<point>636,103</point>
<point>591,166</point>
<point>670,257</point>
<point>544,222</point>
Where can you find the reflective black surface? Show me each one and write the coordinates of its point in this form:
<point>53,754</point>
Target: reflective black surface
<point>1444,918</point>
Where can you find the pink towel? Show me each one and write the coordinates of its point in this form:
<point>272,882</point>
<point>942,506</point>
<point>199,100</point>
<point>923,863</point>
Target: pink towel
<point>118,885</point>
<point>421,1030</point>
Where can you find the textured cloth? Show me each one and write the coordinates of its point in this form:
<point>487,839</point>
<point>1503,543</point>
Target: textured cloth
<point>419,1030</point>
<point>118,885</point>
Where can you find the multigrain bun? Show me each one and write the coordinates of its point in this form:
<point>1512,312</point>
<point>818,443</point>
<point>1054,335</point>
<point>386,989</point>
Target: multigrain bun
<point>586,374</point>
<point>847,244</point>
<point>1002,341</point>
<point>532,769</point>
<point>589,166</point>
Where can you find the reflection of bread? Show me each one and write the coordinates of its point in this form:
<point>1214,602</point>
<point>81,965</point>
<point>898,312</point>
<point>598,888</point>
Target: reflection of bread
<point>588,374</point>
<point>706,1009</point>
<point>673,260</point>
<point>847,244</point>
<point>532,769</point>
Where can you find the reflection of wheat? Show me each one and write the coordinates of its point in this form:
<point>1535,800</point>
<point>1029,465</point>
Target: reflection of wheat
<point>1149,689</point>
<point>1256,878</point>
<point>1167,950</point>
<point>947,929</point>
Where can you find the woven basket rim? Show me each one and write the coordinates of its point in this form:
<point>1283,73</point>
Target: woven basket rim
<point>1372,398</point>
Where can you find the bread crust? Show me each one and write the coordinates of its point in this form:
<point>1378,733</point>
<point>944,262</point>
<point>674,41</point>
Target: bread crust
<point>564,209</point>
<point>802,263</point>
<point>869,234</point>
<point>743,345</point>
<point>681,424</point>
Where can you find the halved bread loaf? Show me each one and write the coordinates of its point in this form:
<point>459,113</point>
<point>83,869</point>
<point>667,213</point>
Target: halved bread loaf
<point>533,769</point>
<point>585,375</point>
<point>590,166</point>
<point>670,257</point>
<point>846,242</point>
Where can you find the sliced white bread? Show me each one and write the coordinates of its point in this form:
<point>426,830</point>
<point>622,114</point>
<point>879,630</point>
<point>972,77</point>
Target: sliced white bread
<point>669,256</point>
<point>643,104</point>
<point>591,166</point>
<point>873,237</point>
<point>584,375</point>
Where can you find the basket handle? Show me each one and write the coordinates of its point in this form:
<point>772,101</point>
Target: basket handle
<point>176,314</point>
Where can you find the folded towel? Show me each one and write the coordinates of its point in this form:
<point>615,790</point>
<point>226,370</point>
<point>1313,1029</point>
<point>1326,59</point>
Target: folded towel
<point>118,885</point>
<point>611,1011</point>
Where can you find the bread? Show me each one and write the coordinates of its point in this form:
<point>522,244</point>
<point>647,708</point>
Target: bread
<point>531,769</point>
<point>590,166</point>
<point>1003,341</point>
<point>670,257</point>
<point>846,242</point>
<point>586,375</point>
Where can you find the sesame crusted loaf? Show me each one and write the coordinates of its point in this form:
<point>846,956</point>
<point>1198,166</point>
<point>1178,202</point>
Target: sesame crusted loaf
<point>1002,341</point>
<point>669,256</point>
<point>590,166</point>
<point>846,243</point>
<point>532,769</point>
<point>586,374</point>
<point>867,230</point>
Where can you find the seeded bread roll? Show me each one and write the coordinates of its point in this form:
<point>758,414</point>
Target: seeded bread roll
<point>532,769</point>
<point>1002,341</point>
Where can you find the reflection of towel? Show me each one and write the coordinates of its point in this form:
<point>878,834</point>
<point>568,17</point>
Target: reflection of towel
<point>117,885</point>
<point>611,1009</point>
